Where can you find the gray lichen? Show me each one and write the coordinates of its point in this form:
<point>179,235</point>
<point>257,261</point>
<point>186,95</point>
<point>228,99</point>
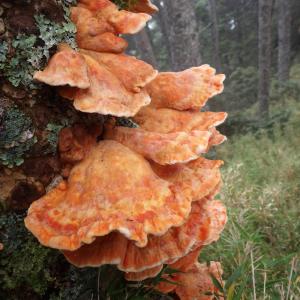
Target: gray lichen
<point>16,137</point>
<point>52,137</point>
<point>30,52</point>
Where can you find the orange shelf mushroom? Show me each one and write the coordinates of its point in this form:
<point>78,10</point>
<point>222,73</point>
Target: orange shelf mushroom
<point>176,100</point>
<point>112,188</point>
<point>189,89</point>
<point>140,198</point>
<point>202,227</point>
<point>165,120</point>
<point>122,21</point>
<point>143,6</point>
<point>100,78</point>
<point>194,280</point>
<point>107,95</point>
<point>170,148</point>
<point>65,67</point>
<point>99,23</point>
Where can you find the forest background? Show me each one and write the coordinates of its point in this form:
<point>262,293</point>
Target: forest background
<point>256,43</point>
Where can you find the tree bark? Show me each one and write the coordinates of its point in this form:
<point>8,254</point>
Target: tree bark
<point>163,21</point>
<point>144,47</point>
<point>264,55</point>
<point>284,37</point>
<point>215,34</point>
<point>30,119</point>
<point>184,36</point>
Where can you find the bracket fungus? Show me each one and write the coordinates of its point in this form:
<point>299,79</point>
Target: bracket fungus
<point>140,198</point>
<point>144,6</point>
<point>100,78</point>
<point>66,67</point>
<point>189,89</point>
<point>193,281</point>
<point>169,148</point>
<point>203,226</point>
<point>104,193</point>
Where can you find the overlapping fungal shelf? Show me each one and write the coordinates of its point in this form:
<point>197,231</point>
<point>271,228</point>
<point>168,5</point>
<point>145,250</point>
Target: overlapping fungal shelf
<point>140,198</point>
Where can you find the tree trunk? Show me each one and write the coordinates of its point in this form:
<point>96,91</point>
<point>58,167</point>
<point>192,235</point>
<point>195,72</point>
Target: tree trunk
<point>184,36</point>
<point>215,34</point>
<point>264,55</point>
<point>163,21</point>
<point>144,47</point>
<point>284,43</point>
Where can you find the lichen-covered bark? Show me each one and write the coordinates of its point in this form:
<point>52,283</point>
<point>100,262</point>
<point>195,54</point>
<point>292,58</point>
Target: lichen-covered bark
<point>30,115</point>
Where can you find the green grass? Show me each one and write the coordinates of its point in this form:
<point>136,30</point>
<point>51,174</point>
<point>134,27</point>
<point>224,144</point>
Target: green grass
<point>262,193</point>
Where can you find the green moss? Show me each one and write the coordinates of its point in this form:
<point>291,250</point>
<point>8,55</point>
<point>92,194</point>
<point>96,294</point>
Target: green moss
<point>16,137</point>
<point>30,269</point>
<point>24,263</point>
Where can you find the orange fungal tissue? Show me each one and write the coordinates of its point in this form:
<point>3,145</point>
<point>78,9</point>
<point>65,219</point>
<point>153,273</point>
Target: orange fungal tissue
<point>138,198</point>
<point>99,77</point>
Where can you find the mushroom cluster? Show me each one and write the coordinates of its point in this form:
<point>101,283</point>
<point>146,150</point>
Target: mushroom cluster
<point>100,78</point>
<point>140,198</point>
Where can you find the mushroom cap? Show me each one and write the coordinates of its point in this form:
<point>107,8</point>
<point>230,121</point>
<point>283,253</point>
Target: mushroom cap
<point>123,21</point>
<point>210,227</point>
<point>126,22</point>
<point>139,276</point>
<point>182,265</point>
<point>196,179</point>
<point>112,189</point>
<point>186,262</point>
<point>164,149</point>
<point>216,138</point>
<point>195,283</point>
<point>134,74</point>
<point>165,120</point>
<point>116,82</point>
<point>199,229</point>
<point>99,22</point>
<point>66,67</point>
<point>96,33</point>
<point>107,95</point>
<point>143,6</point>
<point>189,89</point>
